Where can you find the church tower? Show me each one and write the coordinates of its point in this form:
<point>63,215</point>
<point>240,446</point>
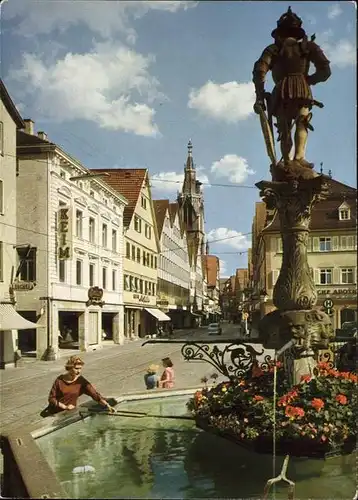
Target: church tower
<point>191,209</point>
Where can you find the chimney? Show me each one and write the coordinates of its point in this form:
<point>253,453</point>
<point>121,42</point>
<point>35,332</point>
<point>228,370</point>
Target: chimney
<point>42,135</point>
<point>29,126</point>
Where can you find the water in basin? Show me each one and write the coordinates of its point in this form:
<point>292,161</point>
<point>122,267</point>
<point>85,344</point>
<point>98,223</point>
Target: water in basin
<point>125,457</point>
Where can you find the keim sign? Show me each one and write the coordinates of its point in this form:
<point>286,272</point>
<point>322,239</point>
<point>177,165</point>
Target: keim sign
<point>64,233</point>
<point>340,291</point>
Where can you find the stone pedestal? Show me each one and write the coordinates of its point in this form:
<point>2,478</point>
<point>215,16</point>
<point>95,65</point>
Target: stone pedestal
<point>294,293</point>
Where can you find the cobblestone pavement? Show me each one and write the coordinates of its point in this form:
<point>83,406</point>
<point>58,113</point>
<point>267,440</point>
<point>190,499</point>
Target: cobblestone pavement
<point>114,370</point>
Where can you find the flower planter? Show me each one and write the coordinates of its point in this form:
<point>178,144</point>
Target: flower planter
<point>295,447</point>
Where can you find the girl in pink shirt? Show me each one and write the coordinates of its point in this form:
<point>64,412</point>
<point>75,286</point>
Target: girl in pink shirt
<point>167,378</point>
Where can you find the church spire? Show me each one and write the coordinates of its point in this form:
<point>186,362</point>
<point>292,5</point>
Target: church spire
<point>189,162</point>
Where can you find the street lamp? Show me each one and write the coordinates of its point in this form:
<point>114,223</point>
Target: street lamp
<point>89,176</point>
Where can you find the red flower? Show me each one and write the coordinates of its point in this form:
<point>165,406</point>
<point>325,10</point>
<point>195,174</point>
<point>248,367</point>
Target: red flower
<point>342,399</point>
<point>258,398</point>
<point>292,412</point>
<point>317,404</point>
<point>306,378</point>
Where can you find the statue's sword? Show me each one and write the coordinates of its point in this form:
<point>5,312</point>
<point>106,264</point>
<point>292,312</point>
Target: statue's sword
<point>266,127</point>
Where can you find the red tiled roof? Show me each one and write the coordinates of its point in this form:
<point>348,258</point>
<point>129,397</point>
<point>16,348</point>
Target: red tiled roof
<point>160,209</point>
<point>325,213</point>
<point>212,269</point>
<point>128,182</point>
<point>173,209</point>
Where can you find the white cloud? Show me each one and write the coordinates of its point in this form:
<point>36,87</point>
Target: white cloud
<point>223,268</point>
<point>341,53</point>
<point>111,85</point>
<point>102,17</point>
<point>229,102</point>
<point>173,181</point>
<point>334,11</point>
<point>228,237</point>
<point>233,167</point>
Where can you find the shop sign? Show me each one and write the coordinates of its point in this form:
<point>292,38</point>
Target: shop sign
<point>163,303</point>
<point>141,298</point>
<point>338,291</point>
<point>64,233</point>
<point>22,285</point>
<point>95,295</point>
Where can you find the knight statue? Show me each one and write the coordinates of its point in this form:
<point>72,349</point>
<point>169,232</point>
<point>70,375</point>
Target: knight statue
<point>291,101</point>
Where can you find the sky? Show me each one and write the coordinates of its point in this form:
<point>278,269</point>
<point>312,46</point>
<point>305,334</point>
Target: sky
<point>122,84</point>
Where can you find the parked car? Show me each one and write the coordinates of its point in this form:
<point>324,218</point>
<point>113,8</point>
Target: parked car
<point>214,329</point>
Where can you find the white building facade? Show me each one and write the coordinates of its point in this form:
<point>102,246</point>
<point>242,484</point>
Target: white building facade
<point>73,253</point>
<point>173,296</point>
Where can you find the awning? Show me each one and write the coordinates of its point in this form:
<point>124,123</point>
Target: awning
<point>158,314</point>
<point>11,320</point>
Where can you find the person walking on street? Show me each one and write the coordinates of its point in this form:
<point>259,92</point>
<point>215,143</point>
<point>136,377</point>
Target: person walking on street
<point>167,378</point>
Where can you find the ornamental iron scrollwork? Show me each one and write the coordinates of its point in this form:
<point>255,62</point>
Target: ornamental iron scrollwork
<point>233,360</point>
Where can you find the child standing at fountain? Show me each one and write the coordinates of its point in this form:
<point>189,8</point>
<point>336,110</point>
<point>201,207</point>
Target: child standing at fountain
<point>151,378</point>
<point>167,378</point>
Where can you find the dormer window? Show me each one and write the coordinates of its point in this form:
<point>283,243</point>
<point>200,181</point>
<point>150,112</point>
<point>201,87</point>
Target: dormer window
<point>344,212</point>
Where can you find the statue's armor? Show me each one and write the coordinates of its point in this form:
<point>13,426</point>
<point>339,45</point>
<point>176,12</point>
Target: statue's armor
<point>289,64</point>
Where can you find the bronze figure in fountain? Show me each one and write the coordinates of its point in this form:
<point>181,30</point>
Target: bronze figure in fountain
<point>294,189</point>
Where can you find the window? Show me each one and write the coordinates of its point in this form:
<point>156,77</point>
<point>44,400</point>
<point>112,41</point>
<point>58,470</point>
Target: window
<point>143,202</point>
<point>1,197</point>
<point>104,235</point>
<point>131,283</point>
<point>151,261</point>
<point>62,270</point>
<point>104,278</point>
<point>138,224</point>
<point>128,250</point>
<point>325,245</point>
<point>325,276</point>
<point>92,230</point>
<point>133,252</point>
<point>126,283</point>
<point>78,272</point>
<point>79,223</point>
<point>114,240</point>
<point>114,279</point>
<point>144,259</point>
<point>140,286</point>
<point>138,255</point>
<point>147,259</point>
<point>136,284</point>
<point>148,231</point>
<point>91,274</point>
<point>1,261</point>
<point>347,276</point>
<point>27,263</point>
<point>155,263</point>
<point>344,214</point>
<point>343,242</point>
<point>1,138</point>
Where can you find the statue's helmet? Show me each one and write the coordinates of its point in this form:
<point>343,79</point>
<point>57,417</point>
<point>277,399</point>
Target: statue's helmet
<point>289,25</point>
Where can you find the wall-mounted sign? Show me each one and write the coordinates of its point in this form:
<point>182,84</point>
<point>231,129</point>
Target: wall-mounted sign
<point>95,295</point>
<point>163,303</point>
<point>22,285</point>
<point>141,298</point>
<point>338,291</point>
<point>64,233</point>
